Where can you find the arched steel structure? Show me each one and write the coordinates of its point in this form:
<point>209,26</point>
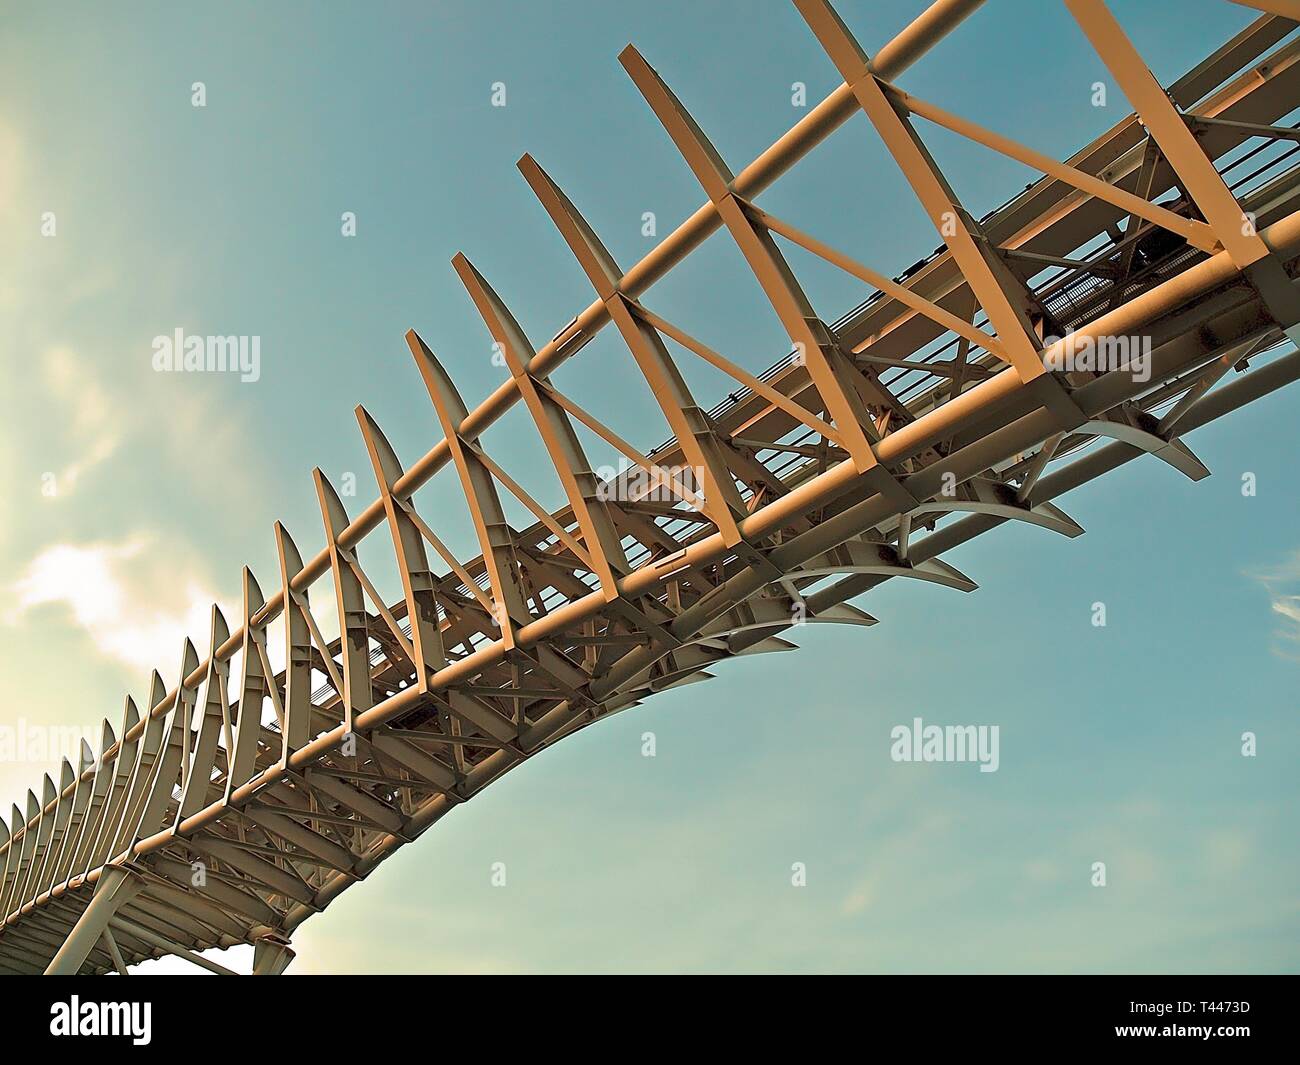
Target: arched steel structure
<point>230,807</point>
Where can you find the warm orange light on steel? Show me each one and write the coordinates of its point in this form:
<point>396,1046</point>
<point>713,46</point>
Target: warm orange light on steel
<point>338,786</point>
<point>1169,131</point>
<point>940,203</point>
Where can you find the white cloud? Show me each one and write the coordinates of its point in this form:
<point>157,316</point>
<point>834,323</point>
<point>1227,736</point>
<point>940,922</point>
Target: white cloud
<point>90,413</point>
<point>1288,606</point>
<point>127,600</point>
<point>11,156</point>
<point>1282,584</point>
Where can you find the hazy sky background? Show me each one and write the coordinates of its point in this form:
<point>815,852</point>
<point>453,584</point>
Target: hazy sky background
<point>1119,744</point>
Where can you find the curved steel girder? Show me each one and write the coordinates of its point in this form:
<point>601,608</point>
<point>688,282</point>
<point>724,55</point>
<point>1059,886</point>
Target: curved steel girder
<point>998,500</point>
<point>882,560</point>
<point>678,678</point>
<point>1145,436</point>
<point>723,645</point>
<point>769,616</point>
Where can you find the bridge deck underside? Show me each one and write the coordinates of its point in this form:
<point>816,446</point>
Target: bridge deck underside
<point>251,793</point>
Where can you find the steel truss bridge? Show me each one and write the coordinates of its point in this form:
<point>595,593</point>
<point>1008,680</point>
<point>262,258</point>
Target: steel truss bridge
<point>238,803</point>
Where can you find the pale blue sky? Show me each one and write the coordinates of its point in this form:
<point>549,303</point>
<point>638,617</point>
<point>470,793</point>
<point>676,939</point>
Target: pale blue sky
<point>1119,744</point>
